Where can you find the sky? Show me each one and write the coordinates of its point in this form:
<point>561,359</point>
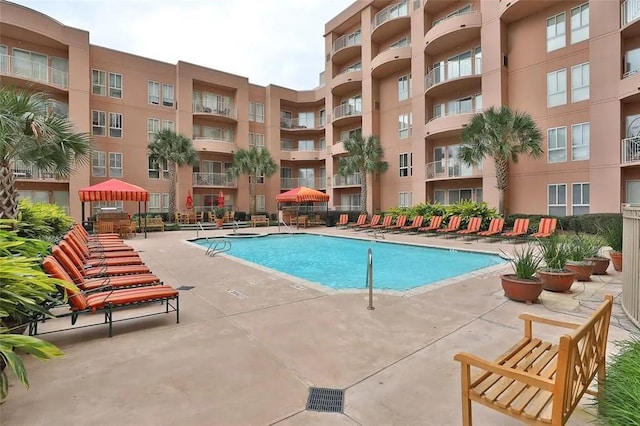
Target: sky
<point>269,41</point>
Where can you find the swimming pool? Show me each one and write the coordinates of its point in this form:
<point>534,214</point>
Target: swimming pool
<point>341,263</point>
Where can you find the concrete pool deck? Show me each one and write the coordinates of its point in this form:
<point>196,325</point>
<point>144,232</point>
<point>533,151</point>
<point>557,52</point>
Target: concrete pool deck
<point>251,343</point>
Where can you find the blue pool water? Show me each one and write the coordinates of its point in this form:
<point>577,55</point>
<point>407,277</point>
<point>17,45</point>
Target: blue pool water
<point>341,263</point>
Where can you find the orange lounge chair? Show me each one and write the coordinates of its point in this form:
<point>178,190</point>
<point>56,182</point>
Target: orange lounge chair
<point>495,227</point>
<point>400,222</point>
<point>374,222</point>
<point>94,243</point>
<point>97,255</point>
<point>343,221</point>
<point>73,261</point>
<point>417,223</point>
<point>546,228</point>
<point>385,222</point>
<point>88,263</point>
<point>473,226</point>
<point>520,227</point>
<point>54,268</point>
<point>435,223</point>
<point>362,219</point>
<point>112,236</point>
<point>452,226</point>
<point>109,301</point>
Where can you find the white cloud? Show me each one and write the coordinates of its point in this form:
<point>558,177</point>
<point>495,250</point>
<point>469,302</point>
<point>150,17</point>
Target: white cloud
<point>269,41</point>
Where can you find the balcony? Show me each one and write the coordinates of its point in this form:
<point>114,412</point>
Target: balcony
<point>205,143</point>
<point>628,86</point>
<point>514,10</point>
<point>337,149</point>
<point>290,154</point>
<point>302,124</point>
<point>346,114</point>
<point>214,180</point>
<point>351,180</point>
<point>29,172</point>
<point>432,7</point>
<point>631,151</point>
<point>391,20</point>
<point>347,82</point>
<point>451,168</point>
<point>222,111</point>
<point>44,77</point>
<point>453,31</point>
<point>290,183</point>
<point>453,77</point>
<point>347,48</point>
<point>58,109</point>
<point>448,125</point>
<point>629,14</point>
<point>391,61</point>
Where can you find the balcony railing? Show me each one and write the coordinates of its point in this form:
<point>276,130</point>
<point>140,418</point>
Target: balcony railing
<point>33,71</point>
<point>220,180</point>
<point>224,139</point>
<point>347,40</point>
<point>29,171</point>
<point>453,15</point>
<point>303,123</point>
<point>347,208</point>
<point>631,150</point>
<point>456,111</point>
<point>453,70</point>
<point>630,11</point>
<point>214,107</point>
<point>451,168</point>
<point>390,12</point>
<point>349,180</point>
<point>290,183</point>
<point>59,109</point>
<point>346,110</point>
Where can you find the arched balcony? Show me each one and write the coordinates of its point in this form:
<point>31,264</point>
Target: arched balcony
<point>447,125</point>
<point>514,10</point>
<point>452,32</point>
<point>453,77</point>
<point>346,82</point>
<point>391,20</point>
<point>391,61</point>
<point>346,114</point>
<point>347,48</point>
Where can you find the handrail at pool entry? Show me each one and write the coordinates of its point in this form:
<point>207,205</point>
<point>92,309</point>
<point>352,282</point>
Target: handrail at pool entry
<point>370,278</point>
<point>218,246</point>
<point>199,225</point>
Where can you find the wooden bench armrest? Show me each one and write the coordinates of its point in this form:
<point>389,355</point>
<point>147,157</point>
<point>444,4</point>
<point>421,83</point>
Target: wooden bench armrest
<point>548,321</point>
<point>519,375</point>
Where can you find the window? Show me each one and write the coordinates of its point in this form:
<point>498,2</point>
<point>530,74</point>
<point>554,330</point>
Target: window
<point>459,65</point>
<point>256,139</point>
<point>323,144</point>
<point>404,87</point>
<point>31,65</point>
<point>115,85</point>
<point>256,112</point>
<point>286,119</point>
<point>98,82</point>
<point>154,93</point>
<point>99,119</point>
<point>286,145</point>
<point>404,125</point>
<point>306,120</point>
<point>405,164</point>
<point>306,145</point>
<point>403,42</point>
<point>307,177</point>
<point>349,202</point>
<point>155,202</point>
<point>580,82</point>
<point>260,205</point>
<point>351,68</point>
<point>478,195</point>
<point>405,199</point>
<point>168,125</point>
<point>438,196</point>
<point>115,125</point>
<point>456,195</point>
<point>153,171</point>
<point>322,118</point>
<point>153,127</point>
<point>59,71</point>
<point>631,62</point>
<point>4,60</point>
<point>556,88</point>
<point>165,201</point>
<point>99,164</point>
<point>115,164</point>
<point>580,198</point>
<point>558,199</point>
<point>580,135</point>
<point>556,32</point>
<point>580,23</point>
<point>167,95</point>
<point>438,111</point>
<point>557,144</point>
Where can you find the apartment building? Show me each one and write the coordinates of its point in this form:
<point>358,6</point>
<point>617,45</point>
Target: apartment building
<point>412,72</point>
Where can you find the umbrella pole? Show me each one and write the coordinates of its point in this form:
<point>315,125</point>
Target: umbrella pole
<point>139,217</point>
<point>82,204</point>
<point>145,218</point>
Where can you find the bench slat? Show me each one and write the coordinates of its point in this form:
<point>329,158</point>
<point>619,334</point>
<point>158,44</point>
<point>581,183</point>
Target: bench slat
<point>514,349</point>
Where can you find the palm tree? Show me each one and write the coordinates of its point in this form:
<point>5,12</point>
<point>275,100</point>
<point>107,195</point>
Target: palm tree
<point>175,150</point>
<point>503,135</point>
<point>365,156</point>
<point>254,162</point>
<point>30,133</point>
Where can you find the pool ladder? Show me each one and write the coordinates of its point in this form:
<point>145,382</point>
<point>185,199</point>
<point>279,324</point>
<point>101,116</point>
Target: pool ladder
<point>370,278</point>
<point>217,246</point>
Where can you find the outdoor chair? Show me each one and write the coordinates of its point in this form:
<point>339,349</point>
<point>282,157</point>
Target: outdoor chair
<point>495,228</point>
<point>520,228</point>
<point>374,222</point>
<point>400,222</point>
<point>97,271</point>
<point>452,226</point>
<point>343,220</point>
<point>385,222</point>
<point>88,263</point>
<point>546,228</point>
<point>434,225</point>
<point>97,254</point>
<point>417,223</point>
<point>362,219</point>
<point>472,228</point>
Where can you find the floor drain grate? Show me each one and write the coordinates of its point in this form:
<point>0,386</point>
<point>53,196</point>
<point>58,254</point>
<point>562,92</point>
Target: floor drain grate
<point>185,287</point>
<point>326,400</point>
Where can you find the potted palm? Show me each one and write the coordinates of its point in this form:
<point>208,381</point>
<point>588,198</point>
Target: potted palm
<point>554,275</point>
<point>580,247</point>
<point>523,285</point>
<point>219,213</point>
<point>612,234</point>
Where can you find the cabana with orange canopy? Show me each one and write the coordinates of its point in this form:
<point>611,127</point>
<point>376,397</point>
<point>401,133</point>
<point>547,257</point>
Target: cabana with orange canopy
<point>302,195</point>
<point>115,190</point>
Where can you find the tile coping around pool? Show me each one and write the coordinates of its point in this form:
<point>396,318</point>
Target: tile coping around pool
<point>328,290</point>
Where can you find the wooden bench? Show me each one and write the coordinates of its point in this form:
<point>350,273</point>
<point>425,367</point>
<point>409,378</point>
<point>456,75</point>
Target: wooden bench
<point>152,223</point>
<point>259,219</point>
<point>539,382</point>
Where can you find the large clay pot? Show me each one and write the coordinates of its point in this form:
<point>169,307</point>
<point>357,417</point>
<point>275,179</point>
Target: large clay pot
<point>600,265</point>
<point>521,290</point>
<point>560,281</point>
<point>616,259</point>
<point>583,270</point>
<point>219,223</point>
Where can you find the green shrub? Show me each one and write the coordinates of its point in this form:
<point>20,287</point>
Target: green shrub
<point>468,209</point>
<point>42,220</point>
<point>612,232</point>
<point>618,403</point>
<point>525,262</point>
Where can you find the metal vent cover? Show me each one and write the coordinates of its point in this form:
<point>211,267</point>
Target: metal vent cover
<point>326,400</point>
<point>185,288</point>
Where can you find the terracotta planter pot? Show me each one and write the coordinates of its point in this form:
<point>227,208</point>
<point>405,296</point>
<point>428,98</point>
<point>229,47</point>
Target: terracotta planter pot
<point>583,270</point>
<point>521,290</point>
<point>616,259</point>
<point>600,264</point>
<point>560,281</point>
<point>219,223</point>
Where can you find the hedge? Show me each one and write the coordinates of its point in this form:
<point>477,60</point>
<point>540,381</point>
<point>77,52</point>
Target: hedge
<point>588,223</point>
